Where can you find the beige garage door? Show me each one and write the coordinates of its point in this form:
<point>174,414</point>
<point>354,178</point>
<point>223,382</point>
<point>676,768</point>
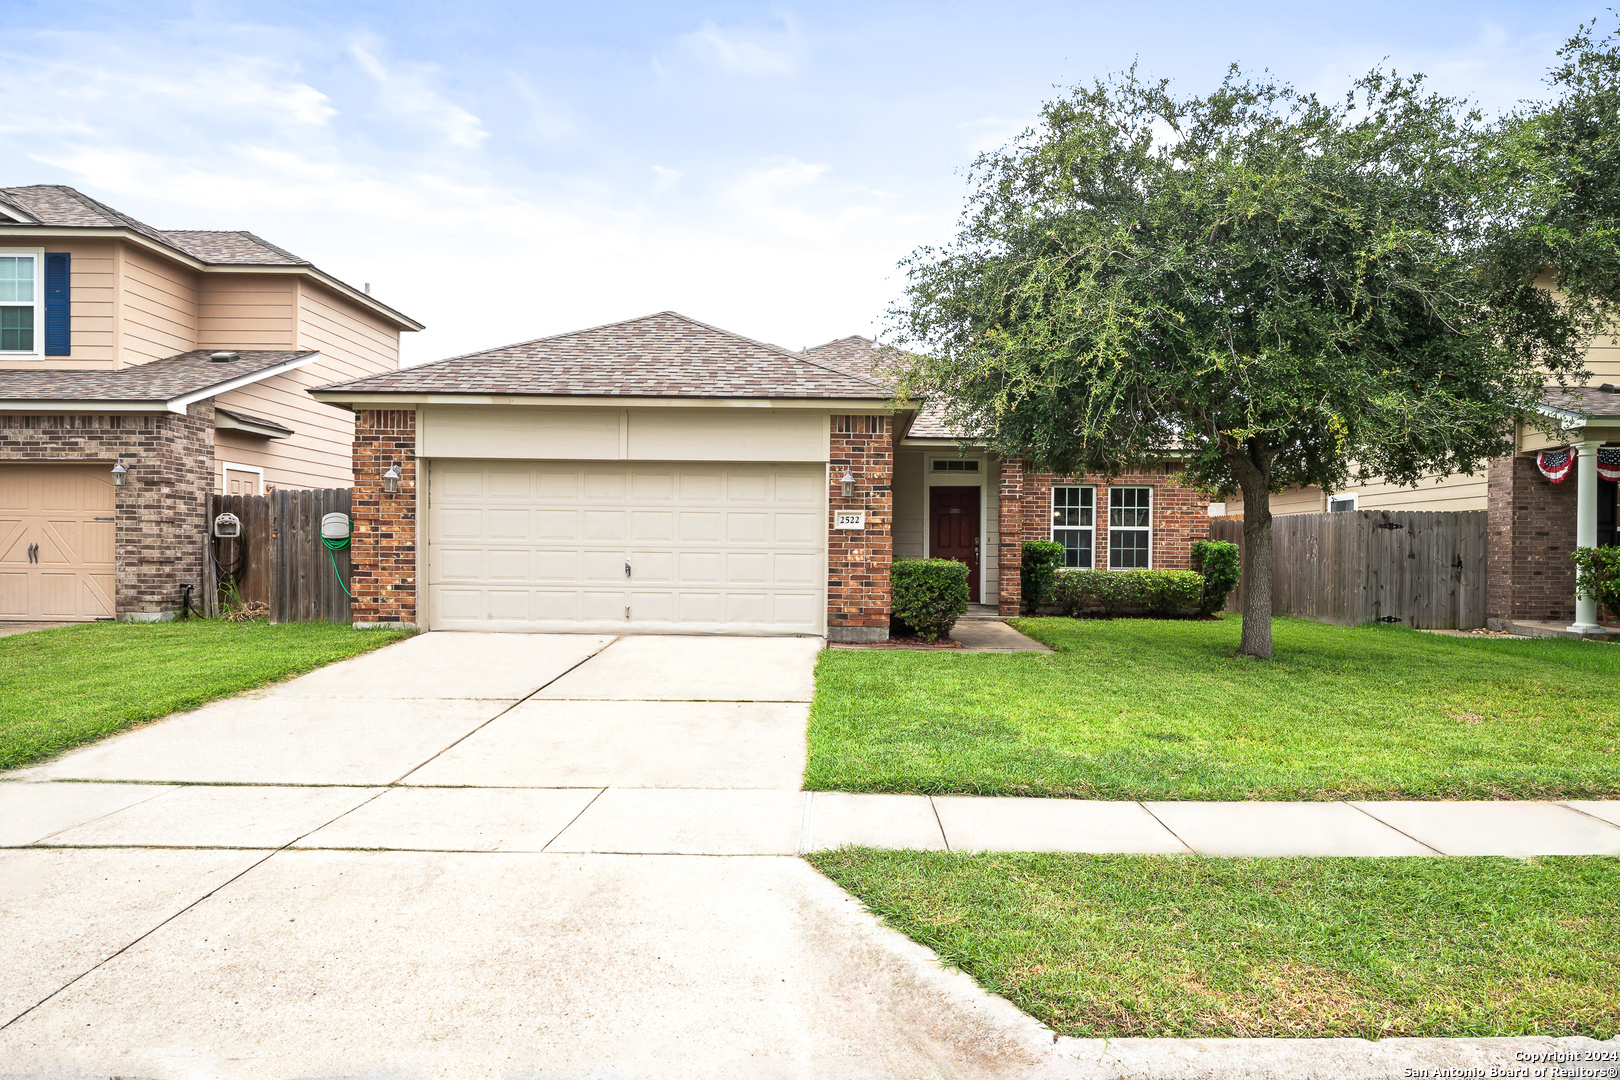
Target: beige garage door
<point>613,547</point>
<point>57,530</point>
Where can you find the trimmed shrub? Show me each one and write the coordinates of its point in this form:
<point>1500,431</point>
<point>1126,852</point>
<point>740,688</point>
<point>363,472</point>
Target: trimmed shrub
<point>1165,594</point>
<point>1597,576</point>
<point>1218,561</point>
<point>928,595</point>
<point>1040,559</point>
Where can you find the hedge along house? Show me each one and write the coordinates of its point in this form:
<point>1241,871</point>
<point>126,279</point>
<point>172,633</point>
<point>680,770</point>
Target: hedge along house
<point>141,369</point>
<point>661,475</point>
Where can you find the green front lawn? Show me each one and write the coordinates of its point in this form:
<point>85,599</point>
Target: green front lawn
<point>1145,709</point>
<point>63,688</point>
<point>1182,946</point>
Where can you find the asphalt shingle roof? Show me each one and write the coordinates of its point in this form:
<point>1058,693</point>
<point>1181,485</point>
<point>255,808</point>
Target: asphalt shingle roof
<point>158,381</point>
<point>857,355</point>
<point>248,418</point>
<point>62,206</point>
<point>662,355</point>
<point>1590,401</point>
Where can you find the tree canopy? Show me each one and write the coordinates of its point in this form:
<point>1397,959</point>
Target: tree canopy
<point>1277,289</point>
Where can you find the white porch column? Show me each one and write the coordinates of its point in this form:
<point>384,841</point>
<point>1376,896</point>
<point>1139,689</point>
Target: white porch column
<point>1586,479</point>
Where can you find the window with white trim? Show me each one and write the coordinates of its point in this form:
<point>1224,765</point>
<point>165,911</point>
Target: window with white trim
<point>1130,528</point>
<point>20,295</point>
<point>1340,504</point>
<point>1073,522</point>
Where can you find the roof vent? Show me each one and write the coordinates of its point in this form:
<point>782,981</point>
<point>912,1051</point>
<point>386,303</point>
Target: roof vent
<point>1609,388</point>
<point>224,357</point>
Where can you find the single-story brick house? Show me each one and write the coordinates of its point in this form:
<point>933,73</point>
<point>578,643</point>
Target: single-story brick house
<point>661,475</point>
<point>141,369</point>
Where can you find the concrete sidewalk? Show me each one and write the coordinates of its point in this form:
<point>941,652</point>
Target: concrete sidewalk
<point>532,805</point>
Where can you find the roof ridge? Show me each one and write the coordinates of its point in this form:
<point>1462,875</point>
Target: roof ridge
<point>788,353</point>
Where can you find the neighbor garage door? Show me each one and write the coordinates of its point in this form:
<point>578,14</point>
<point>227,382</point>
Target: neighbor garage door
<point>57,530</point>
<point>607,546</point>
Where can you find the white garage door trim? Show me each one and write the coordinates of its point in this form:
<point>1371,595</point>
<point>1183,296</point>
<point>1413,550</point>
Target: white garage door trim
<point>542,546</point>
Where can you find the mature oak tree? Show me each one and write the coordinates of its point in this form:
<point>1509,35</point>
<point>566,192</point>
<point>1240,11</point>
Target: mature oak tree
<point>1280,290</point>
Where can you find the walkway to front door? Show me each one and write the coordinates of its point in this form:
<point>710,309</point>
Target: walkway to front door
<point>953,530</point>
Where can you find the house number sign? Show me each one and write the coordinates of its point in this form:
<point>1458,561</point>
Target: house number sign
<point>849,519</point>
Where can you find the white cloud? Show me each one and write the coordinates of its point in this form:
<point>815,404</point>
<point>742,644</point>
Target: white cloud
<point>990,133</point>
<point>405,91</point>
<point>741,52</point>
<point>789,196</point>
<point>446,228</point>
<point>1496,69</point>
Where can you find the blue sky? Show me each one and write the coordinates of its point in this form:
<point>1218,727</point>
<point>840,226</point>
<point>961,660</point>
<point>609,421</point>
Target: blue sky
<point>506,170</point>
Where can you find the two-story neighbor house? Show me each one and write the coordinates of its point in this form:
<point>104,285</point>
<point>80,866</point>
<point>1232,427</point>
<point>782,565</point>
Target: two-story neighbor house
<point>1558,490</point>
<point>142,368</point>
<point>661,475</point>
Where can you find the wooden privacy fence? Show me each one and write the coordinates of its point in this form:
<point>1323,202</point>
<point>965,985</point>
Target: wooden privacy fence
<point>1421,568</point>
<point>283,563</point>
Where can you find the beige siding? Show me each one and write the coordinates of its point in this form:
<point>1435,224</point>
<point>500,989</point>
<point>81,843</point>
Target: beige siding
<point>1457,492</point>
<point>247,311</point>
<point>910,512</point>
<point>352,342</point>
<point>159,316</point>
<point>93,305</point>
<point>725,435</point>
<point>1603,360</point>
<point>602,433</point>
<point>1298,501</point>
<point>316,456</point>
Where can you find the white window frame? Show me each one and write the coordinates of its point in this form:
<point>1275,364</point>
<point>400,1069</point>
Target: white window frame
<point>1130,528</point>
<point>38,303</point>
<point>1053,526</point>
<point>228,467</point>
<point>1353,498</point>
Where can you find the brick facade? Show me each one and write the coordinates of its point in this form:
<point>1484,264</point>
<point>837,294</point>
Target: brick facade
<point>161,509</point>
<point>858,562</point>
<point>1530,533</point>
<point>383,546</point>
<point>1009,550</point>
<point>1180,518</point>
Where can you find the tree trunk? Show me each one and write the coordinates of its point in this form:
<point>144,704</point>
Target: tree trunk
<point>1256,575</point>
<point>1251,465</point>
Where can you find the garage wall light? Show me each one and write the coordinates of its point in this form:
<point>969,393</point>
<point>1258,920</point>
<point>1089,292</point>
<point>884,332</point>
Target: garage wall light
<point>391,478</point>
<point>120,474</point>
<point>848,484</point>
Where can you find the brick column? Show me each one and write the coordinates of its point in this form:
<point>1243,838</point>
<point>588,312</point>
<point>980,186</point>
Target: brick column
<point>1010,553</point>
<point>383,547</point>
<point>1499,544</point>
<point>1530,533</point>
<point>858,562</point>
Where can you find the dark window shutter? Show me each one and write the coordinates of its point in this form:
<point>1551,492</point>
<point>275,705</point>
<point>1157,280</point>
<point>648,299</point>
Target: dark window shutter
<point>58,310</point>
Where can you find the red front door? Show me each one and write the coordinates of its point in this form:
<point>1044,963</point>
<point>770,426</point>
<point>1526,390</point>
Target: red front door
<point>953,529</point>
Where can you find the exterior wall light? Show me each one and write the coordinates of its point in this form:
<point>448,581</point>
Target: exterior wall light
<point>120,474</point>
<point>848,484</point>
<point>391,478</point>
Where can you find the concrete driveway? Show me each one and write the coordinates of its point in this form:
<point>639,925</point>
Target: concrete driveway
<point>468,855</point>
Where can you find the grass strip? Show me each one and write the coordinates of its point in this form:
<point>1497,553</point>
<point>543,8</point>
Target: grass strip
<point>1192,947</point>
<point>63,688</point>
<point>1146,709</point>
